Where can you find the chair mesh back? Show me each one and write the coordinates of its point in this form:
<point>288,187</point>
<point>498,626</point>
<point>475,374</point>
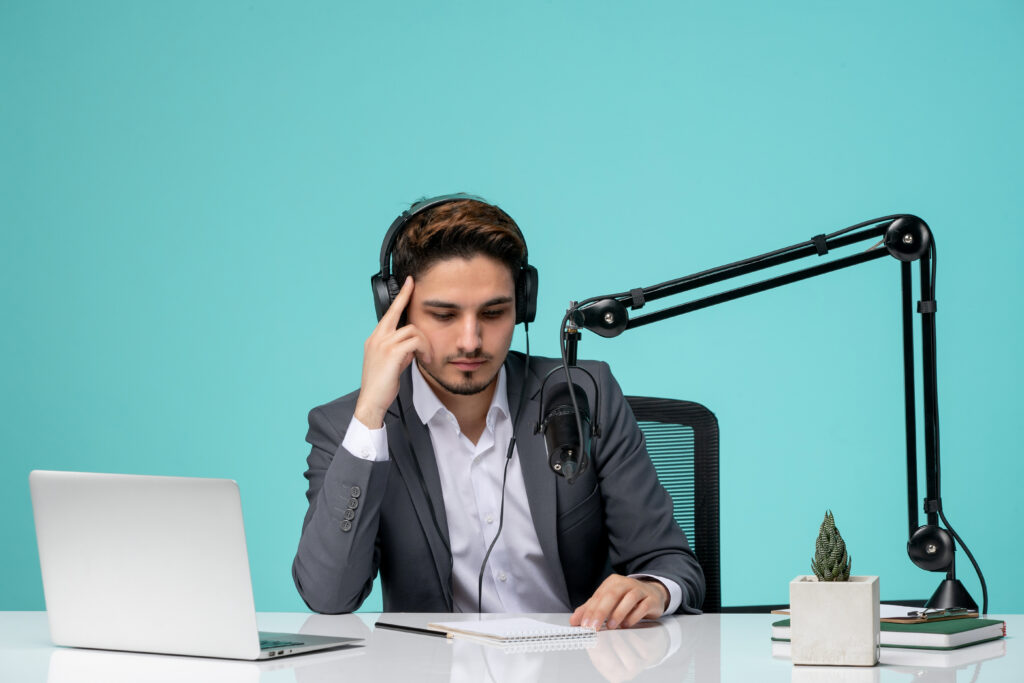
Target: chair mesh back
<point>682,440</point>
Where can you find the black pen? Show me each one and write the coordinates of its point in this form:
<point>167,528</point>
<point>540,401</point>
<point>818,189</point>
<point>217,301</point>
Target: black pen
<point>412,629</point>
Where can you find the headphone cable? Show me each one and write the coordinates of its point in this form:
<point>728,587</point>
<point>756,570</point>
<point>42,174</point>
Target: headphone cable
<point>504,476</point>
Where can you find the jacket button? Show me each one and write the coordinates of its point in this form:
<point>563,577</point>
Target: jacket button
<point>355,492</point>
<point>346,525</point>
<point>350,514</point>
<point>353,503</point>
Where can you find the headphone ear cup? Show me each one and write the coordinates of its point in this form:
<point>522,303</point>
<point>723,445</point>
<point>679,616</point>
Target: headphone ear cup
<point>393,290</point>
<point>526,295</point>
<point>384,292</point>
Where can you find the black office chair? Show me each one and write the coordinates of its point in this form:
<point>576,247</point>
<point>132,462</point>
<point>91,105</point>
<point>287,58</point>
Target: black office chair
<point>682,439</point>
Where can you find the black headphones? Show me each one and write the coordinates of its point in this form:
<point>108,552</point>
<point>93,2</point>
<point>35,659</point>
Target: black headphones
<point>386,288</point>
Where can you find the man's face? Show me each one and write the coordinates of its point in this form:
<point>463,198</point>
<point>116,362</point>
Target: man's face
<point>466,308</point>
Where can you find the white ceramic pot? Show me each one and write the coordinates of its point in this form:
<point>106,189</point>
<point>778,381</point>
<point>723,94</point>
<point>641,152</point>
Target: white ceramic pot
<point>834,622</point>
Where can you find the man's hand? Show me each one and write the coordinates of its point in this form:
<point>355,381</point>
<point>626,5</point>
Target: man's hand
<point>620,602</point>
<point>387,352</point>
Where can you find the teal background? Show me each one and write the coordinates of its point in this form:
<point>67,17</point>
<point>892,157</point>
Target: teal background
<point>193,194</point>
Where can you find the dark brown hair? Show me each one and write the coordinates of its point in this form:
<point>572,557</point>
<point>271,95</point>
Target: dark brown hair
<point>462,228</point>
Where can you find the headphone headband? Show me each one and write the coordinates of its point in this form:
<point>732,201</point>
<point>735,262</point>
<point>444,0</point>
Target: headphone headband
<point>385,288</point>
<point>391,236</point>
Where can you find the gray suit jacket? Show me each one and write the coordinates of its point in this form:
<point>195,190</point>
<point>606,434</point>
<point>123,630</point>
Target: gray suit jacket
<point>389,516</point>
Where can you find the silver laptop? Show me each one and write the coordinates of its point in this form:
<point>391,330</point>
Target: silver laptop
<point>151,564</point>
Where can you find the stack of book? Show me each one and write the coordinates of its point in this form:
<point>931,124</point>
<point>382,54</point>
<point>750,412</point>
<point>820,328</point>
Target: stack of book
<point>950,642</point>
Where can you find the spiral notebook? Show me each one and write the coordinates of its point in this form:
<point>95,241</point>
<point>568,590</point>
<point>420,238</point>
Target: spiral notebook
<point>515,630</point>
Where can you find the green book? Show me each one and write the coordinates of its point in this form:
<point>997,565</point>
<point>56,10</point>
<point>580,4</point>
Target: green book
<point>935,635</point>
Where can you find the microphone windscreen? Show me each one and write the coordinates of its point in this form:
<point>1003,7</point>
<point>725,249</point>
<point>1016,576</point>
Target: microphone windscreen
<point>558,395</point>
<point>567,455</point>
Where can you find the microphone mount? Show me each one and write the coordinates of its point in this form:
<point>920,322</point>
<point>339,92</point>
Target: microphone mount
<point>566,458</point>
<point>905,237</point>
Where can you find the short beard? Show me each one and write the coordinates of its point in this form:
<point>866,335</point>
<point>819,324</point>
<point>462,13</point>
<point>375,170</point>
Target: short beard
<point>465,388</point>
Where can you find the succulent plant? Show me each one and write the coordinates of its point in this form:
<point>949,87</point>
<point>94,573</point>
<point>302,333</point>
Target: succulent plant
<point>830,563</point>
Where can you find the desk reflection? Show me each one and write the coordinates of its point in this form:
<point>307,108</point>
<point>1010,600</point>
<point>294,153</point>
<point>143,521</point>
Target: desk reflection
<point>924,666</point>
<point>672,649</point>
<point>705,648</point>
<point>944,667</point>
<point>836,674</point>
<point>71,665</point>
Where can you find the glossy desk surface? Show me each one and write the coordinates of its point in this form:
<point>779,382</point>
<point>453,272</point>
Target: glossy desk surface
<point>710,647</point>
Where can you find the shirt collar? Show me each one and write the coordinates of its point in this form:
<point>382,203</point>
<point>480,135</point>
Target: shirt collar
<point>428,405</point>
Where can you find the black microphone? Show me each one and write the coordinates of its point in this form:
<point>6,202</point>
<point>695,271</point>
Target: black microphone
<point>566,455</point>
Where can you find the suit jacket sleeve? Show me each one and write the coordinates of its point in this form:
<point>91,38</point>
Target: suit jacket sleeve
<point>338,554</point>
<point>643,536</point>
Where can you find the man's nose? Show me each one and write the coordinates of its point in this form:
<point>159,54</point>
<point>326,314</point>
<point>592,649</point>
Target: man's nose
<point>469,335</point>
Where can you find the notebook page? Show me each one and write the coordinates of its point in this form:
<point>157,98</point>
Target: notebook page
<point>517,629</point>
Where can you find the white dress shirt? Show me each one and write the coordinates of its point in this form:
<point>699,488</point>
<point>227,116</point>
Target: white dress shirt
<point>516,578</point>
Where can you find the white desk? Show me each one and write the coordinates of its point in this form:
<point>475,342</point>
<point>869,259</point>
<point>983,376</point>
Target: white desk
<point>711,647</point>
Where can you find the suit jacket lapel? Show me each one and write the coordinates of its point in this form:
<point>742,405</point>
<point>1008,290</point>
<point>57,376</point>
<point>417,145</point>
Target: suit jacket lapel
<point>538,478</point>
<point>418,468</point>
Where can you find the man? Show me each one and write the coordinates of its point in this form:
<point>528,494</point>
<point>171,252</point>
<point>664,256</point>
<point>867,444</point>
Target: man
<point>417,475</point>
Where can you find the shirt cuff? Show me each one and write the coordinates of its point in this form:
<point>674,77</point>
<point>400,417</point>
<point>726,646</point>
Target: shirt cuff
<point>675,593</point>
<point>366,443</point>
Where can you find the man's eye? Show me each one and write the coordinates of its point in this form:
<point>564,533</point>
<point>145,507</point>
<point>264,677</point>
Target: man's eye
<point>494,313</point>
<point>443,316</point>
